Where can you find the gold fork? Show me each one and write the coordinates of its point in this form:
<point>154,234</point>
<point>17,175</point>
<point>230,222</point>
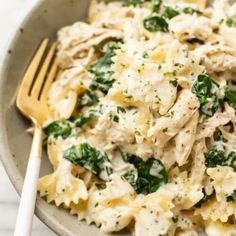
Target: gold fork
<point>32,102</point>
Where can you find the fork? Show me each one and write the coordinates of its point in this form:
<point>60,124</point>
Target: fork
<point>32,102</point>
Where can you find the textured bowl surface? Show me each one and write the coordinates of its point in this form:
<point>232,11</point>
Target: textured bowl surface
<point>43,21</point>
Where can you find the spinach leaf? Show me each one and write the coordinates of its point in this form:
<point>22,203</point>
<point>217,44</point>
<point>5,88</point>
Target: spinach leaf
<point>86,99</point>
<point>134,2</point>
<point>169,12</point>
<point>87,157</point>
<point>206,91</point>
<point>230,97</point>
<point>101,69</point>
<point>58,128</point>
<point>155,5</point>
<point>216,156</point>
<point>155,23</point>
<point>84,118</point>
<point>191,11</point>
<point>149,177</point>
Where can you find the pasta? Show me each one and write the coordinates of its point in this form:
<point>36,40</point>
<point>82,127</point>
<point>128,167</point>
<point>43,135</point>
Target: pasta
<point>142,133</point>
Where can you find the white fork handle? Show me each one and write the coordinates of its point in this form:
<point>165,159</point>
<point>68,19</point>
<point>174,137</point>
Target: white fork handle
<point>29,191</point>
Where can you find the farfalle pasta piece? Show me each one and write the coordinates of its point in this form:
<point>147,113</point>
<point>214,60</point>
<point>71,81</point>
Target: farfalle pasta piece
<point>188,191</point>
<point>217,58</point>
<point>186,27</point>
<point>214,210</point>
<point>224,182</point>
<point>62,187</point>
<point>153,213</point>
<point>217,228</point>
<point>111,208</point>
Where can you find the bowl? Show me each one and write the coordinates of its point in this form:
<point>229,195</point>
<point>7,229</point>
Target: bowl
<point>43,21</point>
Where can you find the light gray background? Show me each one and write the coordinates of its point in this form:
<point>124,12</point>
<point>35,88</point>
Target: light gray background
<point>11,13</point>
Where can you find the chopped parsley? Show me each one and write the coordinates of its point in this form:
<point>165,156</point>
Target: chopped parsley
<point>175,219</point>
<point>116,118</point>
<point>174,82</point>
<point>145,54</point>
<point>229,22</point>
<point>165,130</point>
<point>120,109</point>
<point>101,186</point>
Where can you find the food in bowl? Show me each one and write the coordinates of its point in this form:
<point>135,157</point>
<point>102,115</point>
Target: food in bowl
<point>142,133</point>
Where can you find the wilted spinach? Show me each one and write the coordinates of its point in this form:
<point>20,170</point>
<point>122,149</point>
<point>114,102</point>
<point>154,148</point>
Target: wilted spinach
<point>155,23</point>
<point>155,5</point>
<point>206,91</point>
<point>86,99</point>
<point>134,2</point>
<point>88,116</point>
<point>87,157</point>
<point>147,176</point>
<point>216,156</point>
<point>191,11</point>
<point>102,74</point>
<point>230,93</point>
<point>57,129</point>
<point>169,12</point>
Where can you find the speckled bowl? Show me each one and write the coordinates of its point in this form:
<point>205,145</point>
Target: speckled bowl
<point>43,21</point>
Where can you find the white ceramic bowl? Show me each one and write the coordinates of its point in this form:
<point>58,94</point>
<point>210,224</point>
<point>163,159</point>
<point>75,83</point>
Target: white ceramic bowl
<point>43,21</point>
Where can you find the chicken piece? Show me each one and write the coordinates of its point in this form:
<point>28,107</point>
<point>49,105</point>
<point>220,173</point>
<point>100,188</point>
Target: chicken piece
<point>167,127</point>
<point>217,58</point>
<point>76,43</point>
<point>188,28</point>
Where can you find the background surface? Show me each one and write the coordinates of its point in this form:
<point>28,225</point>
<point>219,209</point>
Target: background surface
<point>11,13</point>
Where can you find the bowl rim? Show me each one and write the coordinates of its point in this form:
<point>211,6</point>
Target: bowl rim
<point>5,154</point>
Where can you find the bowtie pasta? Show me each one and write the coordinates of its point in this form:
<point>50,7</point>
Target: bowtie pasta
<point>142,133</point>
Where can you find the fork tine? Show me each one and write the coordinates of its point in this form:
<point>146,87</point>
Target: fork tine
<point>31,70</point>
<point>41,76</point>
<point>59,74</point>
<point>50,78</point>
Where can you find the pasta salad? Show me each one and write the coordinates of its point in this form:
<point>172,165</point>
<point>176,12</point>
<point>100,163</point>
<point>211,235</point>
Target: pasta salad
<point>142,133</point>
